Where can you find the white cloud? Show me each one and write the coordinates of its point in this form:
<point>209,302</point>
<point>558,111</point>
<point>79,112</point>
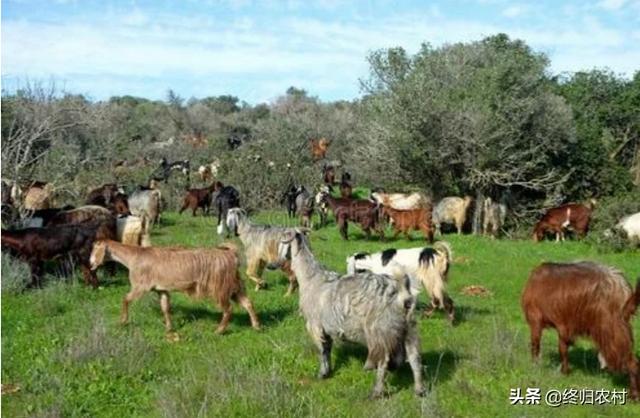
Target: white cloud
<point>138,54</point>
<point>612,4</point>
<point>514,11</point>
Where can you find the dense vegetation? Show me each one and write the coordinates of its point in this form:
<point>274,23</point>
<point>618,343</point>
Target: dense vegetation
<point>479,118</point>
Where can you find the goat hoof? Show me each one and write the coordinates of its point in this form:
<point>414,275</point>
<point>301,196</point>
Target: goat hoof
<point>369,366</point>
<point>420,392</point>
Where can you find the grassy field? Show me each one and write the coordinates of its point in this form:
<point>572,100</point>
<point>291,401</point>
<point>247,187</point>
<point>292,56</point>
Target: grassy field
<point>65,350</point>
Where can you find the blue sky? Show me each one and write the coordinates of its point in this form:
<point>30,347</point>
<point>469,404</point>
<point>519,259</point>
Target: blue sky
<point>256,49</point>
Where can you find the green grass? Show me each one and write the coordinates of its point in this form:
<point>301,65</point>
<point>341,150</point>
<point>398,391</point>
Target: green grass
<point>65,349</point>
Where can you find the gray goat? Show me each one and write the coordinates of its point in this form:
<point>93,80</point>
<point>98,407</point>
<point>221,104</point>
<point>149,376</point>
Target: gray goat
<point>304,207</point>
<point>494,215</point>
<point>261,247</point>
<point>146,203</point>
<point>371,309</point>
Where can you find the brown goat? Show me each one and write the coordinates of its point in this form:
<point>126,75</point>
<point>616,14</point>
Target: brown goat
<point>363,212</point>
<point>319,148</point>
<point>556,220</point>
<point>589,300</point>
<point>406,221</point>
<point>211,272</point>
<point>199,198</point>
<point>38,195</point>
<point>37,245</point>
<point>82,215</point>
<point>346,190</point>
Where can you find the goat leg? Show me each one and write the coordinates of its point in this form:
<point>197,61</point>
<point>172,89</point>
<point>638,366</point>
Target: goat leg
<point>165,305</point>
<point>412,348</point>
<point>378,388</point>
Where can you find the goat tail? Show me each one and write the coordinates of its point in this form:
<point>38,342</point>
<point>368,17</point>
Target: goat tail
<point>406,297</point>
<point>631,305</point>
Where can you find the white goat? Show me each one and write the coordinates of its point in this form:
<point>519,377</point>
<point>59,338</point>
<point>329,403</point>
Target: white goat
<point>424,265</point>
<point>631,225</point>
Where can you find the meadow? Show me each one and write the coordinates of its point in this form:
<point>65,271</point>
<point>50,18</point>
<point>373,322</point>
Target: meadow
<point>66,354</point>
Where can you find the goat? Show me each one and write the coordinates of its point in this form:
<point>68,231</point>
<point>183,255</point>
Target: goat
<point>371,309</point>
<point>261,247</point>
<point>133,230</point>
<point>103,195</point>
<point>364,212</point>
<point>163,172</point>
<point>322,206</point>
<point>304,207</point>
<point>451,210</point>
<point>328,175</point>
<point>557,219</point>
<point>631,226</point>
<point>199,273</point>
<point>199,198</point>
<point>584,299</point>
<point>319,148</point>
<point>289,199</point>
<point>494,216</point>
<point>224,199</point>
<point>146,203</point>
<point>42,217</point>
<point>83,214</point>
<point>428,266</point>
<point>346,190</point>
<point>38,196</point>
<point>401,201</point>
<point>209,171</point>
<point>406,221</point>
<point>37,245</point>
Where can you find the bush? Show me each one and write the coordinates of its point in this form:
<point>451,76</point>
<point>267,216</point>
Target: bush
<point>16,275</point>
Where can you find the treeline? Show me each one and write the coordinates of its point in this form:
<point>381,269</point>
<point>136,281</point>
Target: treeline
<point>484,118</point>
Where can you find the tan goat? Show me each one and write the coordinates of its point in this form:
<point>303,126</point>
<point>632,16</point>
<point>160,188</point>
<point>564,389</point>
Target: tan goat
<point>211,272</point>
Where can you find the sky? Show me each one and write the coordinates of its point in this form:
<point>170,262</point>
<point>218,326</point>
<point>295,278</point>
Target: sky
<point>255,50</point>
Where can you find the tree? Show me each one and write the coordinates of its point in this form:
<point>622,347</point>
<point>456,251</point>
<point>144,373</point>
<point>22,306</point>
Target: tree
<point>478,118</point>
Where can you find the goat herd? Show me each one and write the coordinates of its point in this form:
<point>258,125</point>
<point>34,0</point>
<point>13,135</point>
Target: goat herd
<point>372,304</point>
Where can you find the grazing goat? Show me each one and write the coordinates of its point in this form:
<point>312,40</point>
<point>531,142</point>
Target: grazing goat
<point>584,299</point>
<point>199,198</point>
<point>631,226</point>
<point>261,247</point>
<point>319,148</point>
<point>367,308</point>
<point>406,221</point>
<point>428,266</point>
<point>38,196</point>
<point>401,201</point>
<point>322,206</point>
<point>146,203</point>
<point>494,216</point>
<point>451,210</point>
<point>133,230</point>
<point>556,220</point>
<point>304,207</point>
<point>37,245</point>
<point>364,212</point>
<point>211,272</point>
